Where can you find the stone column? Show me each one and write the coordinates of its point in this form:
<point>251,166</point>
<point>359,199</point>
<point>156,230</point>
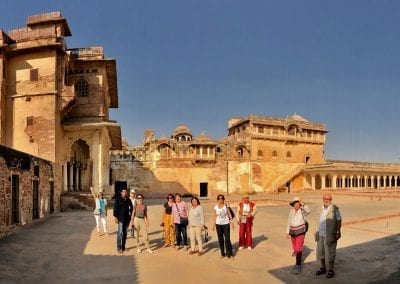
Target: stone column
<point>312,182</point>
<point>334,179</point>
<point>65,177</point>
<point>71,177</point>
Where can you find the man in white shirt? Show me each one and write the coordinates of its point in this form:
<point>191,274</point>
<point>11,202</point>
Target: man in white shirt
<point>327,233</point>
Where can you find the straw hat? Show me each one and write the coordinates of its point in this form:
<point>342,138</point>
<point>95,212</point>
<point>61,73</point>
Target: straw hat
<point>296,199</point>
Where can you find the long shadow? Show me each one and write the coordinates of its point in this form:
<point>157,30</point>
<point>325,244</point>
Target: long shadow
<point>377,261</point>
<point>53,251</point>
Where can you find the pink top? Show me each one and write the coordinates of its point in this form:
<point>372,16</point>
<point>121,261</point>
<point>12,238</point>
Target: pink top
<point>183,211</point>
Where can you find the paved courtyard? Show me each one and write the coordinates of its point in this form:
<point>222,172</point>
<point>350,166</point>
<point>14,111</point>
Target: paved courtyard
<point>65,248</point>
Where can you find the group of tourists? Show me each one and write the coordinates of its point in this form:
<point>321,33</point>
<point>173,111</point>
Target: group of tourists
<point>177,217</point>
<point>327,232</point>
<point>130,215</point>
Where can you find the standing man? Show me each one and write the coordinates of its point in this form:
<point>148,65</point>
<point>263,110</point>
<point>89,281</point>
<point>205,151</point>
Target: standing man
<point>329,222</point>
<point>245,215</point>
<point>122,213</point>
<point>132,197</point>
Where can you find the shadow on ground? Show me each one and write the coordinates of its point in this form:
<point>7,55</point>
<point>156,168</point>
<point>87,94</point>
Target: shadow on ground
<point>376,261</point>
<point>50,253</point>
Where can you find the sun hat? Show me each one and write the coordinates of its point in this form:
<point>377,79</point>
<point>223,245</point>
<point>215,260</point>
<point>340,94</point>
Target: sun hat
<point>295,199</point>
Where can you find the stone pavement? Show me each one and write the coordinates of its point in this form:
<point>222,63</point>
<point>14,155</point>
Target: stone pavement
<point>66,249</point>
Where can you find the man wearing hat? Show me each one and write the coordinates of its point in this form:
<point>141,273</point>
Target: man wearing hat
<point>245,215</point>
<point>132,197</point>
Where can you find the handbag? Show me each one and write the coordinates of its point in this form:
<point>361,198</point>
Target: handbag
<point>96,212</point>
<point>205,234</point>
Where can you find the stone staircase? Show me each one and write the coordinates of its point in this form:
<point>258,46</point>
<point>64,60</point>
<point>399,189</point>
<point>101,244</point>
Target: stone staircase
<point>77,200</point>
<point>281,180</point>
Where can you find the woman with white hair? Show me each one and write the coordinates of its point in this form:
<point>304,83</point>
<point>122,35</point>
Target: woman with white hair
<point>100,211</point>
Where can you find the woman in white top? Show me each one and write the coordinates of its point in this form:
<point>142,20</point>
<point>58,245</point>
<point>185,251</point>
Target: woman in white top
<point>100,211</point>
<point>196,224</point>
<point>296,229</point>
<point>223,219</point>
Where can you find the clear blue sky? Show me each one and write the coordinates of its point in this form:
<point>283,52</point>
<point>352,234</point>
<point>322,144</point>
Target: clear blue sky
<point>201,62</point>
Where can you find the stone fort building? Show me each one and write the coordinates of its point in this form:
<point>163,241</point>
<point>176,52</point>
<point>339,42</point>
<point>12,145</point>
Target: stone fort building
<point>54,104</point>
<point>259,154</point>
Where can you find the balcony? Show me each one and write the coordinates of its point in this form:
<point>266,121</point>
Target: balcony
<point>26,33</point>
<point>87,53</point>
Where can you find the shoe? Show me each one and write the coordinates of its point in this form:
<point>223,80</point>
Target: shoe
<point>320,271</point>
<point>200,253</point>
<point>249,248</point>
<point>149,251</point>
<point>330,274</point>
<point>99,234</point>
<point>192,252</point>
<point>120,251</point>
<point>178,247</point>
<point>139,250</point>
<point>297,269</point>
<point>240,248</point>
<point>222,255</point>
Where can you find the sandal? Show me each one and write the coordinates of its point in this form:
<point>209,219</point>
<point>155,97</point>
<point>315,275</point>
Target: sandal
<point>330,274</point>
<point>321,271</point>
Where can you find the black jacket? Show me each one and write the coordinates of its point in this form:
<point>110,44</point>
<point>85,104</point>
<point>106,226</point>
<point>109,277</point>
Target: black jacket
<point>123,209</point>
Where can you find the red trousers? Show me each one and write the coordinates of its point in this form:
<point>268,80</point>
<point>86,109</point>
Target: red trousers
<point>297,243</point>
<point>245,237</point>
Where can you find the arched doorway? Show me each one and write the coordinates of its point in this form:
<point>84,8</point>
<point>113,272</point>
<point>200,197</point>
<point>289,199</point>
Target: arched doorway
<point>79,168</point>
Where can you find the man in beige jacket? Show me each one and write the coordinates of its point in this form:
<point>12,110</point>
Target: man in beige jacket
<point>329,222</point>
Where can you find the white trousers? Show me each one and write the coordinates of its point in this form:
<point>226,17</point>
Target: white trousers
<point>195,235</point>
<point>103,219</point>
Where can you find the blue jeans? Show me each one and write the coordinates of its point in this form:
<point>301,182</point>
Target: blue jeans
<point>121,236</point>
<point>181,234</point>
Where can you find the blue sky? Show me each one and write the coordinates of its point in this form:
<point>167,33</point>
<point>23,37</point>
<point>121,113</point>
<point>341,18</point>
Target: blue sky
<point>201,62</point>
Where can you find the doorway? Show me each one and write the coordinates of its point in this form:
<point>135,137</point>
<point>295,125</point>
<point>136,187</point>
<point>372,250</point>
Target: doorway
<point>203,189</point>
<point>119,185</point>
<point>35,200</point>
<point>14,199</point>
<point>51,197</point>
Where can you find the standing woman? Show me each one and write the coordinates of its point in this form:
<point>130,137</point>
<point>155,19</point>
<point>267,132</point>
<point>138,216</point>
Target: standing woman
<point>180,213</point>
<point>141,223</point>
<point>100,211</point>
<point>296,229</point>
<point>196,224</point>
<point>222,220</point>
<point>168,221</point>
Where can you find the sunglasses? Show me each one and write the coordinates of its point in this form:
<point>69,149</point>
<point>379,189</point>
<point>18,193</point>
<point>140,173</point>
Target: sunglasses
<point>221,198</point>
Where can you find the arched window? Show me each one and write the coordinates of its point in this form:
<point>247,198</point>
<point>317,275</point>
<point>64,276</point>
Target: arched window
<point>288,154</point>
<point>82,88</point>
<point>260,153</point>
<point>274,154</point>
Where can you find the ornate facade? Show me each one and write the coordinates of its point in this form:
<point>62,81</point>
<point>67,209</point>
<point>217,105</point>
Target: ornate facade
<point>55,101</point>
<point>259,154</point>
